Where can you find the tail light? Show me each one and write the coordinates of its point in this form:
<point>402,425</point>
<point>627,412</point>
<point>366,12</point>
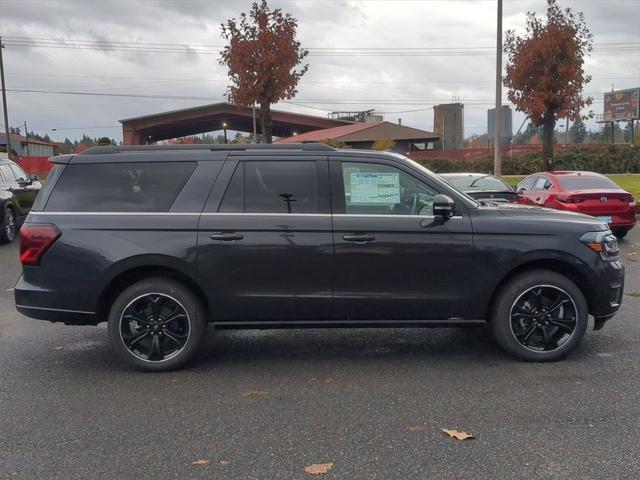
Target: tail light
<point>35,240</point>
<point>628,199</point>
<point>564,199</point>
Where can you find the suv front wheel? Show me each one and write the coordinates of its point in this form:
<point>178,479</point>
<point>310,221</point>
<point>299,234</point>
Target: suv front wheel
<point>156,324</point>
<point>539,316</point>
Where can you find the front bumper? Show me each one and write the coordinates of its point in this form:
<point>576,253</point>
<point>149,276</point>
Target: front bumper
<point>607,293</point>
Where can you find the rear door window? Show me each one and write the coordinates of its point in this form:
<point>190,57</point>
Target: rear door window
<point>273,187</point>
<point>542,184</point>
<point>119,187</point>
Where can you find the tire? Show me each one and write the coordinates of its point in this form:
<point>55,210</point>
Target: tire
<point>526,319</point>
<point>8,226</point>
<point>620,233</point>
<point>169,319</point>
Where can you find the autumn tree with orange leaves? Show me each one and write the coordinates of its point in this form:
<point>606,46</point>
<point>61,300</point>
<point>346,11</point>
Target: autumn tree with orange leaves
<point>262,56</point>
<point>545,74</point>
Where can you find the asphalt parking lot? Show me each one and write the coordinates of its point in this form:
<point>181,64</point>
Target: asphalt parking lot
<point>266,404</point>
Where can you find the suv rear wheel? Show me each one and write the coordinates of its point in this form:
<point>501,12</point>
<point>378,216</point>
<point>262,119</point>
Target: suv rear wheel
<point>156,324</point>
<point>539,316</point>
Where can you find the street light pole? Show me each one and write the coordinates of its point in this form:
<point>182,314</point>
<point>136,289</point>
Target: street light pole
<point>224,127</point>
<point>497,152</point>
<point>4,103</point>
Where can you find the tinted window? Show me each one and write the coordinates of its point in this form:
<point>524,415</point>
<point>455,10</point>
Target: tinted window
<point>119,187</point>
<point>233,200</point>
<point>586,182</point>
<point>477,183</point>
<point>7,173</point>
<point>21,176</point>
<point>384,190</point>
<point>272,187</point>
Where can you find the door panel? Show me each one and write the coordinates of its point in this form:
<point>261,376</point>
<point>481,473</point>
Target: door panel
<point>268,266</point>
<point>398,266</point>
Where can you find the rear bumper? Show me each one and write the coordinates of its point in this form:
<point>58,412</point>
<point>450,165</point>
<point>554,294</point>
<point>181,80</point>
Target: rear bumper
<point>42,304</point>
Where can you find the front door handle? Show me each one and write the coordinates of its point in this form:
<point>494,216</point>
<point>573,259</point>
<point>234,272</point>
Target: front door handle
<point>227,237</point>
<point>359,238</point>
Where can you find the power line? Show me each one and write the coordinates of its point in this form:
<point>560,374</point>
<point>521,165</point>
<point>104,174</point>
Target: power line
<point>177,48</point>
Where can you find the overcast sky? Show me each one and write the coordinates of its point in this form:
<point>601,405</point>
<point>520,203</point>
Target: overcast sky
<point>457,35</point>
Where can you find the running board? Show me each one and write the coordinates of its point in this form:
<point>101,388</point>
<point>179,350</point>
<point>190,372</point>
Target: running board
<point>272,324</point>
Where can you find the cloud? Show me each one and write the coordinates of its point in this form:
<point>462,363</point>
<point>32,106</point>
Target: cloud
<point>388,83</point>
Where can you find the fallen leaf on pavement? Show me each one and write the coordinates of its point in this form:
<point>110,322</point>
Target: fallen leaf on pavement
<point>328,381</point>
<point>224,462</point>
<point>458,435</point>
<point>632,253</point>
<point>254,394</point>
<point>173,380</point>
<point>318,468</point>
<point>201,462</point>
<point>56,348</point>
<point>417,428</point>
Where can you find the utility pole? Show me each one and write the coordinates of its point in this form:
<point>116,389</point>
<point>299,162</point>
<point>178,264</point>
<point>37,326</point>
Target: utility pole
<point>497,151</point>
<point>26,134</point>
<point>4,103</point>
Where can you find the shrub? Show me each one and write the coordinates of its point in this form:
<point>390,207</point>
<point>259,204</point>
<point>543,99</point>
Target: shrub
<point>614,159</point>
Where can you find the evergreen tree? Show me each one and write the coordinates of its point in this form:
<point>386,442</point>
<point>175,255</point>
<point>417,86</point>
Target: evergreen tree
<point>578,131</point>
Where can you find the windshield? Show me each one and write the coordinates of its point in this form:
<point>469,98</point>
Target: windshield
<point>433,176</point>
<point>477,183</point>
<point>586,182</point>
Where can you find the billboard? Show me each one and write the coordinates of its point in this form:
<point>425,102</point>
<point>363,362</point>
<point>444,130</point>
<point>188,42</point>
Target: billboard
<point>622,105</point>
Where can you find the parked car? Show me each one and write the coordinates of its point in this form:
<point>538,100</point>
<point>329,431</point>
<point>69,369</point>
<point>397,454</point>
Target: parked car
<point>161,241</point>
<point>582,192</point>
<point>482,187</point>
<point>17,194</point>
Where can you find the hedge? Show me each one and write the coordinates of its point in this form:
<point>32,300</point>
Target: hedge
<point>612,159</point>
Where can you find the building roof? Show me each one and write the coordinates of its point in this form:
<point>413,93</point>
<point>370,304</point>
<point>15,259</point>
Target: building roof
<point>23,139</point>
<point>363,132</point>
<point>207,118</point>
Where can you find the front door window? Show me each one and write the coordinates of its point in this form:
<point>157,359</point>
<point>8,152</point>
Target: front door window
<point>379,189</point>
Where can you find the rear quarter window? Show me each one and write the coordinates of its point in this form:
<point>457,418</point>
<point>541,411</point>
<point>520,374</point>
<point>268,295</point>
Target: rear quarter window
<point>119,187</point>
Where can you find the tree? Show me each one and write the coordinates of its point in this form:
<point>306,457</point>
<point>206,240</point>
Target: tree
<point>578,131</point>
<point>545,75</point>
<point>102,141</point>
<point>262,55</point>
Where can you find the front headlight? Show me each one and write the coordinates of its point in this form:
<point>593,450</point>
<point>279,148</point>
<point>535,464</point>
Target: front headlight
<point>605,243</point>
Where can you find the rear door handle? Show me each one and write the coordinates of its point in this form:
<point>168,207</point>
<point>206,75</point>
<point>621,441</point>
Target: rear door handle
<point>226,237</point>
<point>359,238</point>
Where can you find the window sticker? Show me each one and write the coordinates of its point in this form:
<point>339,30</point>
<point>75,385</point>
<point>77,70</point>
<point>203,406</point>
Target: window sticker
<point>375,188</point>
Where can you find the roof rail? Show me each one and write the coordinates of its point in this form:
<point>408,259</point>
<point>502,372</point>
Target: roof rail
<point>307,147</point>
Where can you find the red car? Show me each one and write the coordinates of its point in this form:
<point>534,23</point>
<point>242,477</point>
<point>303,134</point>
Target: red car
<point>582,192</point>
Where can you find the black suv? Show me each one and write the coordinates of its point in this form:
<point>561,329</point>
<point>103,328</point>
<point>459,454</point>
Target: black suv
<point>161,241</point>
<point>17,193</point>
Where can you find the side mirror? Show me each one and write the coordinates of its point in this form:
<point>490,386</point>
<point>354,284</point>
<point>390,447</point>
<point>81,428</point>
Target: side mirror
<point>443,206</point>
<point>33,178</point>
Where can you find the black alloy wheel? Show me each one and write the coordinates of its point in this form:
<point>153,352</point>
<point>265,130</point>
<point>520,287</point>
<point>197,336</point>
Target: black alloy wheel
<point>157,324</point>
<point>539,316</point>
<point>543,318</point>
<point>155,327</point>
